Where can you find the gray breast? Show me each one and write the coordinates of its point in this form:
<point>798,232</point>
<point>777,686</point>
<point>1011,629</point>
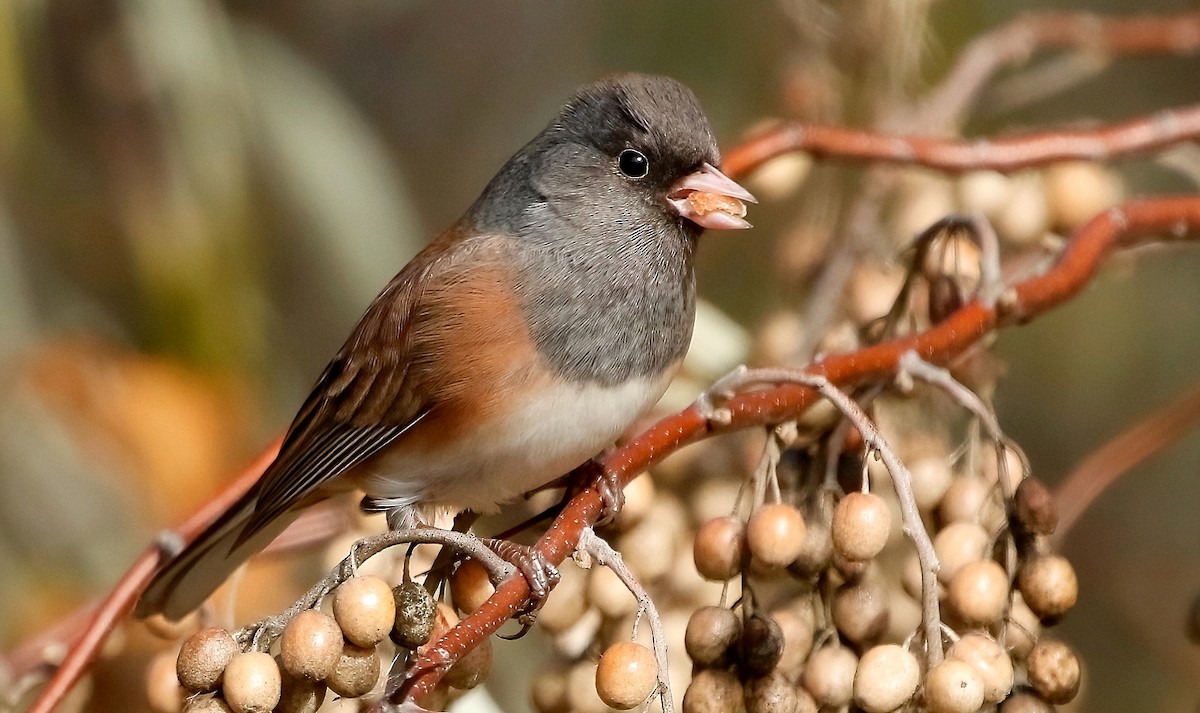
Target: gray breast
<point>610,302</point>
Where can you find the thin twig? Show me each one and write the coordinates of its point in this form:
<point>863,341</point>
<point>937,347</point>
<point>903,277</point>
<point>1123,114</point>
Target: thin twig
<point>606,556</point>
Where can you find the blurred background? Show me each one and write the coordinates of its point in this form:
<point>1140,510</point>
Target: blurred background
<point>198,198</point>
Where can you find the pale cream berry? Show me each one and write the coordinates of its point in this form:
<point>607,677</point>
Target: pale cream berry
<point>626,675</point>
<point>1077,191</point>
<point>989,660</point>
<point>931,478</point>
<point>816,552</point>
<point>210,704</point>
<point>470,586</point>
<point>829,676</point>
<point>581,690</point>
<point>1022,628</point>
<point>979,593</point>
<point>720,548</point>
<point>252,683</point>
<point>170,630</point>
<point>711,634</point>
<point>965,499</point>
<point>713,690</point>
<point>1054,671</point>
<point>861,525</point>
<point>356,672</point>
<point>473,668</point>
<point>796,621</point>
<point>860,610</point>
<point>365,610</point>
<point>415,615</point>
<point>163,692</point>
<point>771,693</point>
<point>775,534</point>
<point>202,659</point>
<point>301,695</point>
<point>567,603</point>
<point>1024,700</point>
<point>956,545</point>
<point>549,691</point>
<point>1048,585</point>
<point>609,595</point>
<point>887,677</point>
<point>953,687</point>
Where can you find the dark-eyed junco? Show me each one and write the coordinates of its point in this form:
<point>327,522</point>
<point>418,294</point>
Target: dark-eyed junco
<point>517,345</point>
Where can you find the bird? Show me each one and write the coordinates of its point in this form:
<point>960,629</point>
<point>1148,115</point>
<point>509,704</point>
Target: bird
<point>518,344</point>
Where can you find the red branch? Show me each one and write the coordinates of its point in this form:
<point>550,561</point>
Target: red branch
<point>1079,262</point>
<point>955,155</point>
<point>84,650</point>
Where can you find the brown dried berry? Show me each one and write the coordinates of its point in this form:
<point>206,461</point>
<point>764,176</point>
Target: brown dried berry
<point>1049,586</point>
<point>796,621</point>
<point>1024,700</point>
<point>720,548</point>
<point>816,552</point>
<point>414,615</point>
<point>202,659</point>
<point>1054,671</point>
<point>711,635</point>
<point>713,690</point>
<point>1035,508</point>
<point>626,675</point>
<point>356,673</point>
<point>761,645</point>
<point>772,693</point>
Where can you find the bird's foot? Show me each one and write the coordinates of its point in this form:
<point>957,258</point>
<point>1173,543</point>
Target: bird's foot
<point>607,485</point>
<point>533,565</point>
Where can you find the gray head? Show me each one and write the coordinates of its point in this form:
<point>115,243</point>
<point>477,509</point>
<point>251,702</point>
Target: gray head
<point>616,155</point>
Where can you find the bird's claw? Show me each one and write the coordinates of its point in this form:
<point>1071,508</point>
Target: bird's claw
<point>532,564</point>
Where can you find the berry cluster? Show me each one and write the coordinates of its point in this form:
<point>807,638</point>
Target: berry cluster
<point>342,651</point>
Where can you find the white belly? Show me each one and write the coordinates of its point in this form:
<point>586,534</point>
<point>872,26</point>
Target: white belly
<point>538,441</point>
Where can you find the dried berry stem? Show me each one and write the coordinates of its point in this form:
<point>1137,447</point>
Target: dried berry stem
<point>914,527</point>
<point>603,554</point>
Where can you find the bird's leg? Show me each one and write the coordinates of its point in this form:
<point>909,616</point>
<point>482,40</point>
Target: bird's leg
<point>439,571</point>
<point>605,482</point>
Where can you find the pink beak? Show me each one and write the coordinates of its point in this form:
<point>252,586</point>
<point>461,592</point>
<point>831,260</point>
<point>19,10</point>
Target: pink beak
<point>709,180</point>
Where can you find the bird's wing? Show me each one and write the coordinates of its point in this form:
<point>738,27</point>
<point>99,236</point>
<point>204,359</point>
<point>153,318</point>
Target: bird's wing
<point>364,400</point>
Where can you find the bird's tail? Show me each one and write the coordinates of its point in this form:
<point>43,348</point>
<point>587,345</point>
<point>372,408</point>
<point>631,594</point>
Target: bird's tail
<point>196,572</point>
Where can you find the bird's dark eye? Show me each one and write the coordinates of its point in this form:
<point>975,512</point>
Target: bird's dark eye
<point>633,163</point>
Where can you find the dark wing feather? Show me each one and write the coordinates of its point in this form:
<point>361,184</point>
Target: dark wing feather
<point>360,404</point>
